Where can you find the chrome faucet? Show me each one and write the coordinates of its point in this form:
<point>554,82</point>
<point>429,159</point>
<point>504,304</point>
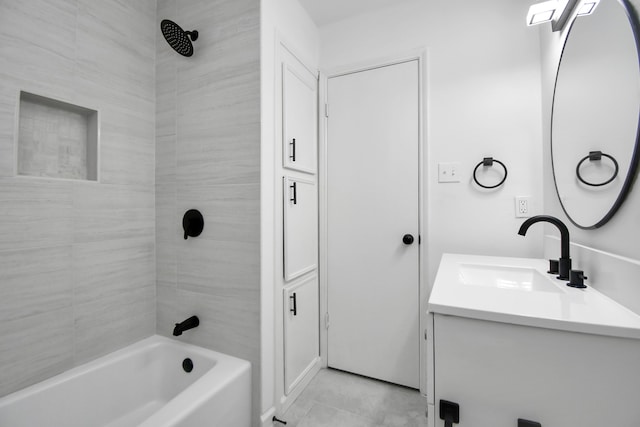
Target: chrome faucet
<point>564,263</point>
<point>185,325</point>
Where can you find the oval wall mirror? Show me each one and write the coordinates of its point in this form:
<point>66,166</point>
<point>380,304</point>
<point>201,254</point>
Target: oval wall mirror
<point>595,115</point>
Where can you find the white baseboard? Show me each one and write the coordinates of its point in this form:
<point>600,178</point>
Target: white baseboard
<point>615,276</point>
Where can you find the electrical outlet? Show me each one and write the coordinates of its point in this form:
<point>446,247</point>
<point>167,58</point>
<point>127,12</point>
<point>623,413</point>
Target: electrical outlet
<point>523,206</point>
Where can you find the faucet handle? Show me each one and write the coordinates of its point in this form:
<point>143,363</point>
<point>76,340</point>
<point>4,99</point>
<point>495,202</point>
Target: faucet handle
<point>554,266</point>
<point>576,279</point>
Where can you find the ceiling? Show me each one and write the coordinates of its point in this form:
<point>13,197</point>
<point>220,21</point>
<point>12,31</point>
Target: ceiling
<point>325,12</point>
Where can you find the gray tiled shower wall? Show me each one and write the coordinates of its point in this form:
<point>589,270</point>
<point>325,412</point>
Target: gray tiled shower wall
<point>79,259</point>
<point>208,158</point>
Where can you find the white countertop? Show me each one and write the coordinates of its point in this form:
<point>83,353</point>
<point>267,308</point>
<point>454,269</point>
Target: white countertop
<point>545,302</point>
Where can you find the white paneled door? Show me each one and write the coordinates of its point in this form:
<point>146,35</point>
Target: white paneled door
<point>299,118</point>
<point>300,227</point>
<point>372,222</point>
<point>301,333</point>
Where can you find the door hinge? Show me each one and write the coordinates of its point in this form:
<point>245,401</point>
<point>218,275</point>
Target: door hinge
<point>326,320</point>
<point>425,335</point>
<point>419,239</point>
<point>326,110</point>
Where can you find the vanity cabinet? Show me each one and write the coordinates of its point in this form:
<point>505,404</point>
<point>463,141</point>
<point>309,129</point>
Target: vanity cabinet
<point>500,372</point>
<point>506,341</point>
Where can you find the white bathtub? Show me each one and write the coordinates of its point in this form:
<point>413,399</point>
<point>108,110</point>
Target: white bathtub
<point>143,385</point>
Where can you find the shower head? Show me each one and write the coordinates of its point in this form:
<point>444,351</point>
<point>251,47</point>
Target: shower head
<point>177,38</point>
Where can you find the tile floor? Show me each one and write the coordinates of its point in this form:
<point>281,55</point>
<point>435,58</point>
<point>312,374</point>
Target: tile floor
<point>339,399</point>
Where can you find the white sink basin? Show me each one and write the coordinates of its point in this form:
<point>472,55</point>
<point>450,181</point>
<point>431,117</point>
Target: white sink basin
<point>519,291</point>
<point>506,277</point>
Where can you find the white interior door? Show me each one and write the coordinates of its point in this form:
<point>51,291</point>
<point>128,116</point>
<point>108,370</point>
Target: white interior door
<point>372,202</point>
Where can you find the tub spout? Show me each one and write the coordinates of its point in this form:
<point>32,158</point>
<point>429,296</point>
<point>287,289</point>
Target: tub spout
<point>185,325</point>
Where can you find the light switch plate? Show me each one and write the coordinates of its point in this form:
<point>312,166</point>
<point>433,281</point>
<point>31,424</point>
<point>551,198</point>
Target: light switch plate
<point>449,172</point>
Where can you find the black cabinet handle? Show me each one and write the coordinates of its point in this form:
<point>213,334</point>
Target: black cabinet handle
<point>407,239</point>
<point>292,156</point>
<point>294,310</point>
<point>527,423</point>
<point>294,199</point>
<point>449,412</point>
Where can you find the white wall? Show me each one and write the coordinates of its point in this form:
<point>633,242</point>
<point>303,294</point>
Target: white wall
<point>482,98</point>
<point>612,249</point>
<point>288,22</point>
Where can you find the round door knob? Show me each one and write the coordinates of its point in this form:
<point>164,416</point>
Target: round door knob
<point>407,239</point>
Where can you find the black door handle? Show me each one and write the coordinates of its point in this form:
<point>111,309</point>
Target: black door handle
<point>407,239</point>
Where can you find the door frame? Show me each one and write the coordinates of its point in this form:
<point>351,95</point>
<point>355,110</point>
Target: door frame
<point>423,288</point>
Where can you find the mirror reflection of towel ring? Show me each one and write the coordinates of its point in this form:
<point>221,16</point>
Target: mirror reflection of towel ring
<point>597,156</point>
<point>489,161</point>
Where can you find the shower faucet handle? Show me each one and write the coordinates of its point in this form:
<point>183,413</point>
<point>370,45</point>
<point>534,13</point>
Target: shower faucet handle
<point>192,223</point>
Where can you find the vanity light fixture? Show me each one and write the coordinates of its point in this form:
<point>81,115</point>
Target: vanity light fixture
<point>558,12</point>
<point>542,12</point>
<point>587,7</point>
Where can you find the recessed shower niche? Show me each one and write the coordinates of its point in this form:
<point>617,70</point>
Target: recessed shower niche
<point>57,139</point>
